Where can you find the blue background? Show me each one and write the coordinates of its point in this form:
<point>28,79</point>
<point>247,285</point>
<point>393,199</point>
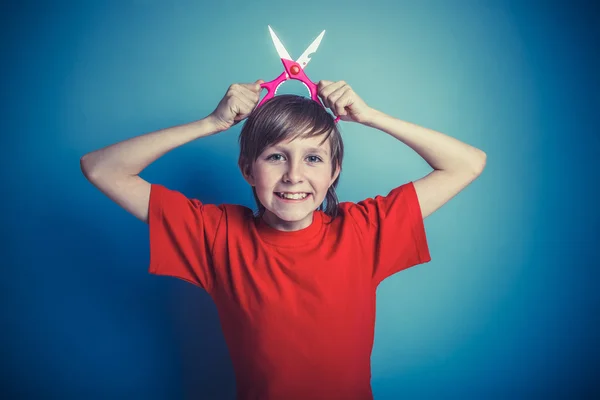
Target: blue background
<point>509,307</point>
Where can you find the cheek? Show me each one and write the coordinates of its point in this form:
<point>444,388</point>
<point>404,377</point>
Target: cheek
<point>325,177</point>
<point>265,180</point>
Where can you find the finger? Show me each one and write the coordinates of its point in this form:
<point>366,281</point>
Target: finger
<point>322,91</point>
<point>328,90</point>
<point>246,104</point>
<point>243,93</point>
<point>335,96</point>
<point>242,113</point>
<point>252,90</point>
<point>323,84</point>
<point>231,108</point>
<point>253,87</point>
<point>237,103</point>
<point>346,100</point>
<point>259,89</point>
<point>332,87</point>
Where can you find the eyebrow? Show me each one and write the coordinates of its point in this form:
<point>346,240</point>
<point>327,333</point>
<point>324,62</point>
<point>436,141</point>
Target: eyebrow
<point>308,149</point>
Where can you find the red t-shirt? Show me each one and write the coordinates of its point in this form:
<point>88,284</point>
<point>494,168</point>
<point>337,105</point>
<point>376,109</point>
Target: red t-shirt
<point>297,309</point>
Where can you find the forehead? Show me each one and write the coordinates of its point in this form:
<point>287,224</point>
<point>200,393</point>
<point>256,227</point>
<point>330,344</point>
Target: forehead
<point>312,144</point>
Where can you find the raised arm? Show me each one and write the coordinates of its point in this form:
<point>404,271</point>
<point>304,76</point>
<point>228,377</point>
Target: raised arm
<point>115,169</point>
<point>455,164</point>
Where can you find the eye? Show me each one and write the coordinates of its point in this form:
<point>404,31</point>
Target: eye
<point>274,155</point>
<point>311,159</point>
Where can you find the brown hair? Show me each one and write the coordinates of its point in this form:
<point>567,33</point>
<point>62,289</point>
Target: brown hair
<point>287,117</point>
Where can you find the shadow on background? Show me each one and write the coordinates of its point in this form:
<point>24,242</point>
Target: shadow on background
<point>509,305</point>
<point>90,323</point>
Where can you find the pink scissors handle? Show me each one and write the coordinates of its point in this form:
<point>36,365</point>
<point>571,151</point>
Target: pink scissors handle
<point>292,71</point>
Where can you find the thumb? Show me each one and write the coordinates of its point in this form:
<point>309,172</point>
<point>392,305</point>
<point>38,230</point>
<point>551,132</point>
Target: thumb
<point>258,83</point>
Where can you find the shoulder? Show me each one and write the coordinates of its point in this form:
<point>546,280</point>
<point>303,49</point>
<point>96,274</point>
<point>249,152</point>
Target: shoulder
<point>175,201</point>
<point>371,212</point>
<point>405,192</point>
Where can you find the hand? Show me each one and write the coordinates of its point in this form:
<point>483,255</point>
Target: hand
<point>239,101</point>
<point>341,99</point>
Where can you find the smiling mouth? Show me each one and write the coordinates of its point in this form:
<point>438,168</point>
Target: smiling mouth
<point>298,196</point>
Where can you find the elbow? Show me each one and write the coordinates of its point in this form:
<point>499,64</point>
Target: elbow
<point>480,161</point>
<point>83,166</point>
<point>86,168</point>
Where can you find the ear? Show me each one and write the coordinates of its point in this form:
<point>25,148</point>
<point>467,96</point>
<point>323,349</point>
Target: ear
<point>247,173</point>
<point>338,169</point>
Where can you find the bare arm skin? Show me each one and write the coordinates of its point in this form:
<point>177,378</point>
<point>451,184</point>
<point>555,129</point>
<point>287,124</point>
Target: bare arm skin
<point>115,169</point>
<point>455,164</point>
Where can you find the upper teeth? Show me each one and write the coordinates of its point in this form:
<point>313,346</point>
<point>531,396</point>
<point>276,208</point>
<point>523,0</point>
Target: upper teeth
<point>294,196</point>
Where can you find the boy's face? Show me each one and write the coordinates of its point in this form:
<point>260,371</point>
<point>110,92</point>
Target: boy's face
<point>300,166</point>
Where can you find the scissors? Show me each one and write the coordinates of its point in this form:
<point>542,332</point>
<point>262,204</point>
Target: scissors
<point>293,69</point>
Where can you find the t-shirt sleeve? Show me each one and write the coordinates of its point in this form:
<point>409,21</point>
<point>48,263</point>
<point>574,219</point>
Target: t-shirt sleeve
<point>392,226</point>
<point>182,236</point>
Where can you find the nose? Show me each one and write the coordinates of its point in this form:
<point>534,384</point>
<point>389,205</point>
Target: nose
<point>294,172</point>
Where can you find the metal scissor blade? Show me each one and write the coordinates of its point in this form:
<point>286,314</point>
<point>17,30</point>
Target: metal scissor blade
<point>305,57</point>
<point>279,46</point>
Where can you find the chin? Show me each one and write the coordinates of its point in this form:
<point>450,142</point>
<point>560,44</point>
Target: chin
<point>291,217</point>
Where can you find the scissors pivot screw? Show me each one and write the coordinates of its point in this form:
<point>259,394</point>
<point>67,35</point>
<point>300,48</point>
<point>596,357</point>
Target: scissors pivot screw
<point>294,69</point>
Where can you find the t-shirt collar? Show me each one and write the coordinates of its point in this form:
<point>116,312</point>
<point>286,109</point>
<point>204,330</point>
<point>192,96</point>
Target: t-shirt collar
<point>293,238</point>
